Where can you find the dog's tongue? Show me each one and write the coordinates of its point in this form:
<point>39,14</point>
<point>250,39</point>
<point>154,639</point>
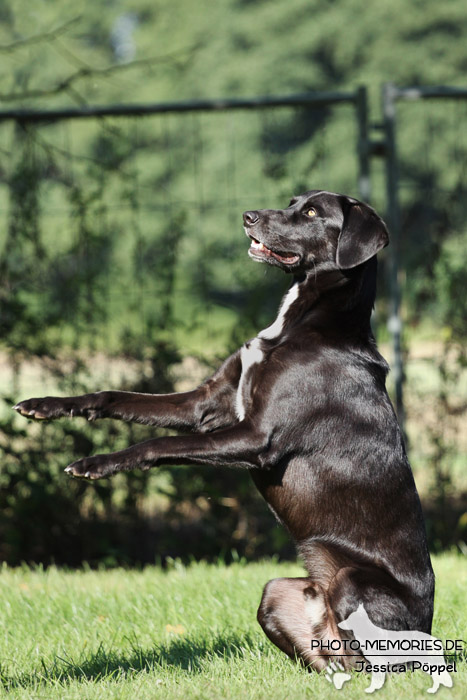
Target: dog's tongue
<point>288,259</point>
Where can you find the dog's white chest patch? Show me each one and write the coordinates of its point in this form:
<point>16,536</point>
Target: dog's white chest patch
<point>252,352</point>
<point>275,329</point>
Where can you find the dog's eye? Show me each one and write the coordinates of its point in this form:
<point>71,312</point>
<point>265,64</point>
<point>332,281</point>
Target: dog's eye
<point>310,212</point>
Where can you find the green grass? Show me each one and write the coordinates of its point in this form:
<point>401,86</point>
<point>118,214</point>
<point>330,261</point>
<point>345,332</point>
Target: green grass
<point>189,632</point>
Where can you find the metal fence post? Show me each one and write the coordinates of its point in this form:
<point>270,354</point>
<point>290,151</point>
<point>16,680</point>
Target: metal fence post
<point>389,96</point>
<point>363,145</point>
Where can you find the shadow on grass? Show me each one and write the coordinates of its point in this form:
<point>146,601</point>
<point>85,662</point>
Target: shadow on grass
<point>190,656</point>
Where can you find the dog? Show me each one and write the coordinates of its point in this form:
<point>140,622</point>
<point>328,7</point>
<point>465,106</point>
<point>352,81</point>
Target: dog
<point>387,650</point>
<point>303,406</point>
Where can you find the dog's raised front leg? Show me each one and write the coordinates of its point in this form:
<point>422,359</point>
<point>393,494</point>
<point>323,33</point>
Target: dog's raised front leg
<point>241,445</point>
<point>210,406</point>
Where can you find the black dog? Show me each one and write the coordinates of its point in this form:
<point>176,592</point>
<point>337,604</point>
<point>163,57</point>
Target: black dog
<point>304,407</point>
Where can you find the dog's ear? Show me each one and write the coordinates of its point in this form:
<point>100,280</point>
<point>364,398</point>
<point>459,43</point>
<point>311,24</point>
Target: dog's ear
<point>363,234</point>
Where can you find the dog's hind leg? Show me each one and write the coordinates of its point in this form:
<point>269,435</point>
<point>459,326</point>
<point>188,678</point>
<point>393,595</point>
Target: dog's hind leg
<point>294,612</point>
<point>385,600</point>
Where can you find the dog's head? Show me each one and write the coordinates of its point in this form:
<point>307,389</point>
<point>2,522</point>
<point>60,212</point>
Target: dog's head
<point>319,231</point>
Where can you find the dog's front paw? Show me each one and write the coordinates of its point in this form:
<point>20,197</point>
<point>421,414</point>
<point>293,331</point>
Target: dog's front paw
<point>96,467</point>
<point>44,409</point>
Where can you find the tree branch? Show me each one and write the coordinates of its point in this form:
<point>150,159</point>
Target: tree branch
<point>87,72</point>
<point>38,38</point>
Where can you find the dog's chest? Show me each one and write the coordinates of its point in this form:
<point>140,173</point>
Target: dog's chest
<point>253,352</point>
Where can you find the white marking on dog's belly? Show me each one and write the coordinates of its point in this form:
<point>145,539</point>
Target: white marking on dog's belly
<point>252,353</point>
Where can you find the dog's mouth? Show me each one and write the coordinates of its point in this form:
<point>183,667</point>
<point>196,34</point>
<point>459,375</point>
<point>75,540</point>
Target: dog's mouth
<point>261,252</point>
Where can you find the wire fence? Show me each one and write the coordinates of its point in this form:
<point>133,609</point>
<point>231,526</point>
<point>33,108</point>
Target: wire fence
<point>133,217</point>
<point>426,182</point>
<point>123,265</point>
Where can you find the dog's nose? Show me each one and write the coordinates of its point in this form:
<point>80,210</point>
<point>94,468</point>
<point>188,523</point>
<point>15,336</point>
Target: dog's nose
<point>250,218</point>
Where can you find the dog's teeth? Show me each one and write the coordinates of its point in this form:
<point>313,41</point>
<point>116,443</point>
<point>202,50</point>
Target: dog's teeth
<point>257,245</point>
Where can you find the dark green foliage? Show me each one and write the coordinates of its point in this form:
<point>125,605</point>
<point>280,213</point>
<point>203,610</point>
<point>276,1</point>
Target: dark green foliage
<point>123,237</point>
<point>23,253</point>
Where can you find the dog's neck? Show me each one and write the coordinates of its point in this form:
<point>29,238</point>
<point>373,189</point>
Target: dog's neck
<point>327,300</point>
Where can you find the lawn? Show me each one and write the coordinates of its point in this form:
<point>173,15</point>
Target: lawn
<point>187,632</point>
